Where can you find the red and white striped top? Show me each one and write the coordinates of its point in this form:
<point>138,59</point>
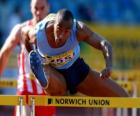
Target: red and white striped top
<point>25,81</point>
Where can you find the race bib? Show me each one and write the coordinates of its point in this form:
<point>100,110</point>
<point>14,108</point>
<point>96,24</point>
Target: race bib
<point>59,60</point>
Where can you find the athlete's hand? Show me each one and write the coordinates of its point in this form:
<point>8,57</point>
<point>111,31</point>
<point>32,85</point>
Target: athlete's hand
<point>106,73</point>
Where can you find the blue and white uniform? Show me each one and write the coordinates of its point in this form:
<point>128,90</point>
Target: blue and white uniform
<point>65,59</point>
<point>62,57</point>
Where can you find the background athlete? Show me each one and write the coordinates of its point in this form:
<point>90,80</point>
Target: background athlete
<point>19,36</point>
<point>57,40</point>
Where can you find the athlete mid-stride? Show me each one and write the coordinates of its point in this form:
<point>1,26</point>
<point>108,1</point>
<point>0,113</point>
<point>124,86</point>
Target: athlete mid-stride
<point>57,40</point>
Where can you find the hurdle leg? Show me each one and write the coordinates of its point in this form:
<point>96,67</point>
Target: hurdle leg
<point>20,106</point>
<point>32,106</point>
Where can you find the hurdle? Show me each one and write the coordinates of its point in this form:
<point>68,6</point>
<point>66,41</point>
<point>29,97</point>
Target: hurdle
<point>120,104</point>
<point>69,101</point>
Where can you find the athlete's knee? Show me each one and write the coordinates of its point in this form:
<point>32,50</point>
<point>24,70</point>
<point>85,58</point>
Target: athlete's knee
<point>57,89</point>
<point>56,82</point>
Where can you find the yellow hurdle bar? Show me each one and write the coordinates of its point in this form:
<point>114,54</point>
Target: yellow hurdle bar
<point>108,102</point>
<point>66,101</point>
<point>12,100</point>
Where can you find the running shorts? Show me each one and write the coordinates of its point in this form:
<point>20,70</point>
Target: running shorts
<point>75,74</point>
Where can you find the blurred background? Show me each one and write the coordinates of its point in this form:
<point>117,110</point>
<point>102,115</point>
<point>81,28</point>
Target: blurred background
<point>116,20</point>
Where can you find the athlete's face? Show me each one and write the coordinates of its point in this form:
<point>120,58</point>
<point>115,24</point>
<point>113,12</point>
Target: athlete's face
<point>39,9</point>
<point>62,31</point>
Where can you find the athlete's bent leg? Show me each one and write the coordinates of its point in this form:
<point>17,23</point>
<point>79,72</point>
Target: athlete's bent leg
<point>52,81</point>
<point>56,82</point>
<point>93,85</point>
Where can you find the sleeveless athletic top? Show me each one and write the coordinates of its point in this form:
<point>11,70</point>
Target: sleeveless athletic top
<point>62,57</point>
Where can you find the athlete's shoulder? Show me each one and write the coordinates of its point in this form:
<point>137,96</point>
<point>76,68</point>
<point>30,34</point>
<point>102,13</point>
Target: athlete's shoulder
<point>22,29</point>
<point>27,23</point>
<point>50,17</point>
<point>19,27</point>
<point>83,31</point>
<point>80,25</point>
<point>16,30</point>
<point>27,27</point>
<point>15,35</point>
